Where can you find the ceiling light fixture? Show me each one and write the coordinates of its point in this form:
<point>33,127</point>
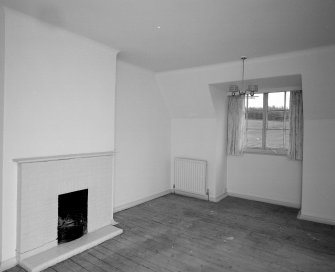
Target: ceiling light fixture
<point>235,89</point>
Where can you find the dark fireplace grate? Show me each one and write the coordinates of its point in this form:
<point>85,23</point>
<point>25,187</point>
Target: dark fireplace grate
<point>72,215</point>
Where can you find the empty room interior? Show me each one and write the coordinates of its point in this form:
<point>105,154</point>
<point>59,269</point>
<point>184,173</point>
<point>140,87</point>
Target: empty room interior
<point>179,135</point>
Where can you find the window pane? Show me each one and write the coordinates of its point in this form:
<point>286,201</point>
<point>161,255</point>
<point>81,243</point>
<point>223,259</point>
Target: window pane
<point>275,125</point>
<point>254,124</point>
<point>255,101</point>
<point>255,109</point>
<point>277,135</point>
<point>275,139</point>
<point>254,138</point>
<point>276,100</point>
<point>288,100</point>
<point>255,121</point>
<point>276,119</point>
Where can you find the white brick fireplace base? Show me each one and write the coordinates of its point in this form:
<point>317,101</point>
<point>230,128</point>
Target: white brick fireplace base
<point>41,180</point>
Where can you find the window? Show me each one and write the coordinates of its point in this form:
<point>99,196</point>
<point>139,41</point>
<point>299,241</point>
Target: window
<point>267,122</point>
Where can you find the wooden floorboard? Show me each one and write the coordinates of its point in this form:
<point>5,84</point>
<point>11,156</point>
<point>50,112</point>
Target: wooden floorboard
<point>177,233</point>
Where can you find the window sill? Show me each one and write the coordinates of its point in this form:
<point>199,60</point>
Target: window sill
<point>275,152</point>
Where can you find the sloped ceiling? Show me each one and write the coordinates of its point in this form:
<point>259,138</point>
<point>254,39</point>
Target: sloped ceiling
<point>165,35</point>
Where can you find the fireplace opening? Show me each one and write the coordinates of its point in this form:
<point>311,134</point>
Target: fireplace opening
<point>72,215</point>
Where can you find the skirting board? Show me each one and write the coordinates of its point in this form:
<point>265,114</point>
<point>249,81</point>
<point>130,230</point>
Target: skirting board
<point>211,198</point>
<point>8,264</point>
<point>166,192</point>
<point>140,201</point>
<point>315,219</point>
<point>218,198</point>
<point>266,200</point>
<point>204,197</point>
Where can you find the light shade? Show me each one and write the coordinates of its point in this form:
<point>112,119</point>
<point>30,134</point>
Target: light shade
<point>252,88</point>
<point>235,89</point>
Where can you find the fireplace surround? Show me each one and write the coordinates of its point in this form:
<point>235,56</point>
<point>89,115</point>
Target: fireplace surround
<point>41,181</point>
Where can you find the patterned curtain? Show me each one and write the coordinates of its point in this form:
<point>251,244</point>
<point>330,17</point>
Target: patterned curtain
<point>296,126</point>
<point>236,125</point>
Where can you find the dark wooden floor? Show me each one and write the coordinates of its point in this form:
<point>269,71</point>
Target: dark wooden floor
<point>175,233</point>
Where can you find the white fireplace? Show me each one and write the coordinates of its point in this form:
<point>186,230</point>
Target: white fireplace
<point>40,183</point>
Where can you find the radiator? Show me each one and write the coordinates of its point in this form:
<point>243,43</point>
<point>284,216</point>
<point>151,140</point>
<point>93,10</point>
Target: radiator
<point>190,176</point>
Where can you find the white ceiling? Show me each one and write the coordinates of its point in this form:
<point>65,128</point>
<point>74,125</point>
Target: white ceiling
<point>192,32</point>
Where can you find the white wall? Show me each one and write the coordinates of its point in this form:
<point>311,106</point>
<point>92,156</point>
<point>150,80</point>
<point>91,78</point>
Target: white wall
<point>274,179</point>
<point>190,87</point>
<point>319,174</point>
<point>2,90</point>
<point>198,139</point>
<point>195,138</point>
<point>59,99</point>
<point>142,137</point>
<point>220,103</point>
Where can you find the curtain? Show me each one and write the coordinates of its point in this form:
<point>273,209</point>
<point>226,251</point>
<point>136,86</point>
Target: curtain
<point>295,151</point>
<point>236,125</point>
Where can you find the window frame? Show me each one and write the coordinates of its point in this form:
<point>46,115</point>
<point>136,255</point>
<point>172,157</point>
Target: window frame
<point>264,149</point>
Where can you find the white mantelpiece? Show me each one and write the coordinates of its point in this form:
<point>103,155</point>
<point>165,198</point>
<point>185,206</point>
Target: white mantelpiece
<point>41,180</point>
